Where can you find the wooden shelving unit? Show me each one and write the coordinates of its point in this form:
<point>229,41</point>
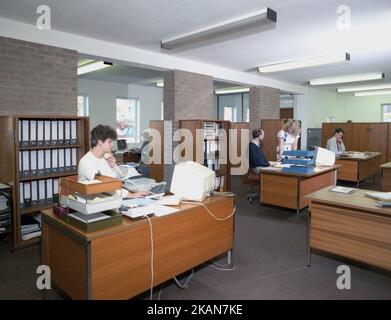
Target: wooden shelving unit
<point>10,170</point>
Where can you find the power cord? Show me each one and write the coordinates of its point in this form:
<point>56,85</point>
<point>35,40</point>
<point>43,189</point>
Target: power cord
<point>152,253</point>
<point>206,208</point>
<point>186,283</point>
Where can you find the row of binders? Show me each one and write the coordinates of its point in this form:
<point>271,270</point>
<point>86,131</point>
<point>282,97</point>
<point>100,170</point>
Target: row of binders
<point>39,133</point>
<point>219,184</point>
<point>45,162</point>
<point>38,192</point>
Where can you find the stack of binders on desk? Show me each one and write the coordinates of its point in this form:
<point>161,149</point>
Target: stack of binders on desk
<point>300,161</point>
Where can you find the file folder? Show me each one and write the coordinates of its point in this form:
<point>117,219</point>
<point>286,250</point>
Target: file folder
<point>21,195</point>
<point>33,163</point>
<point>41,162</point>
<point>33,133</point>
<point>67,132</point>
<point>60,125</point>
<point>41,192</point>
<point>55,186</point>
<point>68,163</point>
<point>61,160</point>
<point>40,129</point>
<point>26,163</point>
<point>54,160</point>
<point>48,162</point>
<point>20,132</point>
<point>47,133</point>
<point>27,195</point>
<point>25,133</point>
<point>49,190</point>
<point>54,132</point>
<point>20,164</point>
<point>73,132</point>
<point>34,193</point>
<point>74,159</point>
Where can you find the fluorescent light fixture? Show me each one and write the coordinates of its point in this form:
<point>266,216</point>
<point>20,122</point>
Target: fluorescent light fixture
<point>93,67</point>
<point>160,84</point>
<point>365,88</point>
<point>297,64</point>
<point>232,90</point>
<point>229,26</point>
<point>372,93</point>
<point>348,78</point>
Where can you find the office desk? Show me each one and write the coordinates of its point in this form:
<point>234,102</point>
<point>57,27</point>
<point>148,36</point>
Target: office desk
<point>358,169</point>
<point>386,176</point>
<point>288,190</point>
<point>350,225</point>
<point>115,263</point>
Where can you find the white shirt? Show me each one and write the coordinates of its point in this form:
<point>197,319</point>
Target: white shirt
<point>334,146</point>
<point>90,165</point>
<point>288,139</point>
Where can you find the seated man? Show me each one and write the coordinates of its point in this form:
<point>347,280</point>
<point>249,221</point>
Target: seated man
<point>335,144</point>
<point>99,160</point>
<point>256,155</point>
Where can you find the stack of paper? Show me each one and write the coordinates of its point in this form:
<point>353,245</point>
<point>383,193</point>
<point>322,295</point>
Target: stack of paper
<point>382,196</point>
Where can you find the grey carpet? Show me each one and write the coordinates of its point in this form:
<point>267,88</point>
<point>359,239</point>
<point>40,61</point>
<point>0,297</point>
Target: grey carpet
<point>269,258</point>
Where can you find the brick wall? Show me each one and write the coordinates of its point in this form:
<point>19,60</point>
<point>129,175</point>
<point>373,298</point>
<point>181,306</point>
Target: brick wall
<point>37,79</point>
<point>264,103</point>
<point>187,96</point>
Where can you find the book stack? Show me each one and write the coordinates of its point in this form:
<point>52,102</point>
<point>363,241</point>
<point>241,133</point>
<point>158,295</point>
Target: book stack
<point>30,227</point>
<point>5,212</point>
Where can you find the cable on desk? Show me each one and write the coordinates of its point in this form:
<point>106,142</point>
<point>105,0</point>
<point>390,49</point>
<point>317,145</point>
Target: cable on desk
<point>218,219</point>
<point>152,271</point>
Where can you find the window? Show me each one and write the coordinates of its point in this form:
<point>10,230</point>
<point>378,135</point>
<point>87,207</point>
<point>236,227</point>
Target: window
<point>128,119</point>
<point>82,106</point>
<point>230,114</point>
<point>386,112</point>
<point>247,115</point>
<point>162,111</point>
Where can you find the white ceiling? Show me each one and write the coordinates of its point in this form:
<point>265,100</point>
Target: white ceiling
<point>305,28</point>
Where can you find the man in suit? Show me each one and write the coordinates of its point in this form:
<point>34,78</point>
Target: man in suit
<point>335,144</point>
<point>256,156</point>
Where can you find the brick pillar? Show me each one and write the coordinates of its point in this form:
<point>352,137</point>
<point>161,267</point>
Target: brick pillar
<point>36,79</point>
<point>264,103</point>
<point>186,96</point>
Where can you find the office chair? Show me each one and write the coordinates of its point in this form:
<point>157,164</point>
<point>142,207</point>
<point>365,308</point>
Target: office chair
<point>253,180</point>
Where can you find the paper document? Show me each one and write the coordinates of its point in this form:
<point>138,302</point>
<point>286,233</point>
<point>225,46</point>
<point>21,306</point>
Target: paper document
<point>158,210</point>
<point>90,182</point>
<point>343,189</point>
<point>382,196</point>
<point>138,202</point>
<point>128,172</point>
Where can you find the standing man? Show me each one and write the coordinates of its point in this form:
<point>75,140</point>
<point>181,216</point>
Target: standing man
<point>335,144</point>
<point>256,155</point>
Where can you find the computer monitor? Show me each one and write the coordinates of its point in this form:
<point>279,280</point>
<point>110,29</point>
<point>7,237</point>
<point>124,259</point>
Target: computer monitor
<point>121,144</point>
<point>192,181</point>
<point>324,157</point>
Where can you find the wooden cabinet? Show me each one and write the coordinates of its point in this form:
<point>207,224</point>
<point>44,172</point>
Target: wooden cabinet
<point>36,151</point>
<point>328,131</point>
<point>157,169</point>
<point>373,137</point>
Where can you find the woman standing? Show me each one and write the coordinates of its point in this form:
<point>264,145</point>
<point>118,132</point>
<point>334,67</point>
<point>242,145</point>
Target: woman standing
<point>288,137</point>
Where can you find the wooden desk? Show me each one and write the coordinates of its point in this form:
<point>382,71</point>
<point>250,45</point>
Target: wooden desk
<point>358,169</point>
<point>115,263</point>
<point>350,225</point>
<point>288,190</point>
<point>386,176</point>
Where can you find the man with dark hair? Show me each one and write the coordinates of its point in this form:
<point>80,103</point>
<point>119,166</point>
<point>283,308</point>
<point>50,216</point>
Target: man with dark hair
<point>335,144</point>
<point>100,161</point>
<point>256,155</point>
